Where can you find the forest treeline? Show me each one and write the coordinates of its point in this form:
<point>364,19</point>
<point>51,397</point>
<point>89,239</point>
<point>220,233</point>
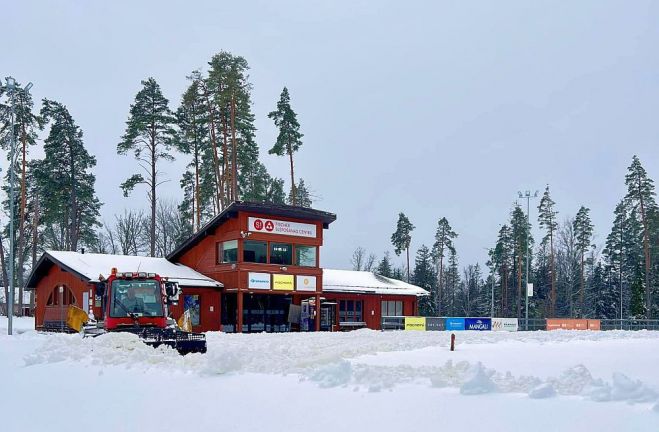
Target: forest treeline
<point>571,276</point>
<point>211,127</point>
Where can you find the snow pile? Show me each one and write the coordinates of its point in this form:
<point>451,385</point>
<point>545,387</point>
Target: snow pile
<point>479,381</point>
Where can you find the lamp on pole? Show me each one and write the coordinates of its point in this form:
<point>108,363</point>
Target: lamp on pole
<point>528,196</point>
<point>12,88</point>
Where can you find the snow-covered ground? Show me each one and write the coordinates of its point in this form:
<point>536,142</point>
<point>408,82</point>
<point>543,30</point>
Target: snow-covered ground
<point>365,380</point>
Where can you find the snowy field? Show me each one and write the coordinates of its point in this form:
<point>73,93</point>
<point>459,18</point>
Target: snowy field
<point>363,380</point>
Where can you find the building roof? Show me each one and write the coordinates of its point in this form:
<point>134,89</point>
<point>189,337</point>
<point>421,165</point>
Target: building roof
<point>89,266</point>
<point>367,283</point>
<point>269,209</point>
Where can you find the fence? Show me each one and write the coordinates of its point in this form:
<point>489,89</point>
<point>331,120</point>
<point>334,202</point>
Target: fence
<point>535,324</point>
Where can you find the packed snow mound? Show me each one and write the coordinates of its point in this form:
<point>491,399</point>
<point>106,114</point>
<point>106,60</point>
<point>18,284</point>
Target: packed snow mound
<point>331,360</point>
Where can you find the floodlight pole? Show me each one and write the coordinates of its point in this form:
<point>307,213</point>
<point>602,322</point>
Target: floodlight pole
<point>528,197</point>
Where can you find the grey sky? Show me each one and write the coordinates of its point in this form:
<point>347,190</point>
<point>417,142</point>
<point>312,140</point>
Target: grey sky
<point>433,108</point>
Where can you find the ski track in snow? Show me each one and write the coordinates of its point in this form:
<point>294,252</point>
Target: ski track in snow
<point>332,360</point>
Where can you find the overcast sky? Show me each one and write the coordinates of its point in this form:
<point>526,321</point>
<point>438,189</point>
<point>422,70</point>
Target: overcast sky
<point>438,109</point>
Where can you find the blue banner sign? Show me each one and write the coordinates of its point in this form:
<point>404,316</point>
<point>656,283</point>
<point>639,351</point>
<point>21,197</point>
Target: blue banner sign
<point>454,324</point>
<point>478,324</point>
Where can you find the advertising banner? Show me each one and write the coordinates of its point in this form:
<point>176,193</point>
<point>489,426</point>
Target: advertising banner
<point>480,324</point>
<point>566,324</point>
<point>454,324</point>
<point>305,283</point>
<point>415,323</point>
<point>273,226</point>
<point>258,280</point>
<point>434,324</point>
<point>505,324</point>
<point>282,282</point>
<point>594,324</point>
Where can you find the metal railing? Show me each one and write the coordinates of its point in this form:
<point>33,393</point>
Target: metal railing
<point>540,324</point>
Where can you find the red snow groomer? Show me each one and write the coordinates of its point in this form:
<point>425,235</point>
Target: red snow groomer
<point>138,302</point>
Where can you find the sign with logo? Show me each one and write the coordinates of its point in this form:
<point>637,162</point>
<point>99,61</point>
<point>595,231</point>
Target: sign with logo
<point>455,324</point>
<point>480,324</point>
<point>258,280</point>
<point>273,226</point>
<point>305,283</point>
<point>529,290</point>
<point>505,324</point>
<point>415,323</point>
<point>434,324</point>
<point>282,282</point>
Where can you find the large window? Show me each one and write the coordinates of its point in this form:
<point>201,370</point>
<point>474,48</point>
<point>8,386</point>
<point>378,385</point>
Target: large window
<point>305,256</point>
<point>281,253</point>
<point>65,297</point>
<point>255,251</point>
<point>350,311</point>
<point>228,251</point>
<point>392,308</point>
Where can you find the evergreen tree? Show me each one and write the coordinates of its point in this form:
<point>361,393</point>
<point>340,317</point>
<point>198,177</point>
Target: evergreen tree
<point>402,238</point>
<point>452,283</point>
<point>637,305</point>
<point>70,207</point>
<point>289,139</point>
<point>384,266</point>
<point>193,139</point>
<point>424,277</point>
<point>547,219</point>
<point>443,243</point>
<point>521,241</point>
<point>641,195</point>
<point>300,196</point>
<point>502,259</point>
<point>583,231</point>
<point>275,191</point>
<point>149,135</point>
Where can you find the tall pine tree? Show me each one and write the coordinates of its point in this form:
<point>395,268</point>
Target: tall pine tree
<point>583,231</point>
<point>149,136</point>
<point>547,219</point>
<point>402,238</point>
<point>289,138</point>
<point>444,236</point>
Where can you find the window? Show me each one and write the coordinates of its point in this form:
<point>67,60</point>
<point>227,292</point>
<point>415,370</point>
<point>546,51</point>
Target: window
<point>255,251</point>
<point>191,303</point>
<point>228,251</point>
<point>392,308</point>
<point>350,311</point>
<point>66,297</point>
<point>135,297</point>
<point>305,256</point>
<point>281,253</point>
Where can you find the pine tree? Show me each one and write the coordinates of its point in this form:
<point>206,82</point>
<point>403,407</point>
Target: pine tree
<point>25,126</point>
<point>70,207</point>
<point>547,219</point>
<point>521,241</point>
<point>640,193</point>
<point>384,266</point>
<point>300,196</point>
<point>275,191</point>
<point>424,276</point>
<point>452,282</point>
<point>502,259</point>
<point>289,139</point>
<point>444,236</point>
<point>402,238</point>
<point>583,231</point>
<point>149,135</point>
<point>193,139</point>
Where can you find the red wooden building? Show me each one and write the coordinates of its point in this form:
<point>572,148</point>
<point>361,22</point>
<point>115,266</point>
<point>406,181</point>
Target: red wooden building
<point>255,267</point>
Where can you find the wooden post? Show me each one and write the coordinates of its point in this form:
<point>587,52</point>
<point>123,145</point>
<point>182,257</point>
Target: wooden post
<point>452,341</point>
<point>317,321</point>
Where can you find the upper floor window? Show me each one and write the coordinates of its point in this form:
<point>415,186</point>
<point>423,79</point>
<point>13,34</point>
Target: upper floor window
<point>255,251</point>
<point>281,253</point>
<point>305,256</point>
<point>228,251</point>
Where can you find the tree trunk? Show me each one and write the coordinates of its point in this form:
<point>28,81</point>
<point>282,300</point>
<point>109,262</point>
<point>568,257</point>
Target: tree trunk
<point>552,303</point>
<point>225,164</point>
<point>152,232</point>
<point>21,223</point>
<point>294,191</point>
<point>234,152</point>
<point>408,264</point>
<point>219,196</point>
<point>35,239</point>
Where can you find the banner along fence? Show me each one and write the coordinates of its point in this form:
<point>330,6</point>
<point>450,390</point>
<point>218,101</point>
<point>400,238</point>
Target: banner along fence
<point>511,324</point>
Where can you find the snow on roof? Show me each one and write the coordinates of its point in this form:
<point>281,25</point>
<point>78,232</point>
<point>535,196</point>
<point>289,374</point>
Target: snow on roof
<point>91,265</point>
<point>366,282</point>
